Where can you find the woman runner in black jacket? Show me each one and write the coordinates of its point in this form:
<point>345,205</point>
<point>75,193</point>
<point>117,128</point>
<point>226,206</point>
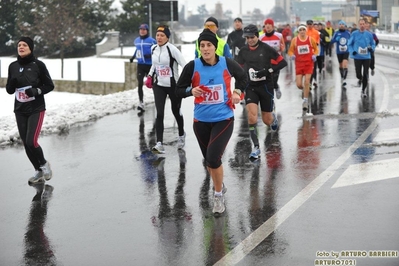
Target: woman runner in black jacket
<point>29,80</point>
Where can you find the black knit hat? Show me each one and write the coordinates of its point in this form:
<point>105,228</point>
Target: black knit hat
<point>28,41</point>
<point>164,29</point>
<point>214,20</point>
<point>208,35</point>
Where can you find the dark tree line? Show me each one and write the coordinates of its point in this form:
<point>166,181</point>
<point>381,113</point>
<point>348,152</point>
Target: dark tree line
<point>64,27</point>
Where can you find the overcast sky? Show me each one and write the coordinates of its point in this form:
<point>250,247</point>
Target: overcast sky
<point>233,5</point>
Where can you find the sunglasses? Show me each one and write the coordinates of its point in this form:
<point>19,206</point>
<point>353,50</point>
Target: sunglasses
<point>210,27</point>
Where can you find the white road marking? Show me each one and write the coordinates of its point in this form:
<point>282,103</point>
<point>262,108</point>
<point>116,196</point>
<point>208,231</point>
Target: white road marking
<point>387,135</point>
<point>261,233</point>
<point>368,172</point>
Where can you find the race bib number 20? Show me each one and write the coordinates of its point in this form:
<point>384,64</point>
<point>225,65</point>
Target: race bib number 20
<point>215,95</point>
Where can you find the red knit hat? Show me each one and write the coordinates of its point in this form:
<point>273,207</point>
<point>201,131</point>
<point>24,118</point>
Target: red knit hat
<point>269,21</point>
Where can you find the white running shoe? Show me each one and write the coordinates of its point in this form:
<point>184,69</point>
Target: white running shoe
<point>46,169</point>
<point>218,205</point>
<point>36,178</point>
<point>158,148</point>
<point>181,141</point>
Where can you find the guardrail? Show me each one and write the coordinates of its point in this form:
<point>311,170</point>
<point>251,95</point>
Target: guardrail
<point>389,41</point>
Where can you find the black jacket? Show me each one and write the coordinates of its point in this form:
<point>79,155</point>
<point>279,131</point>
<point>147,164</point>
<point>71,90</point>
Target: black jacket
<point>29,71</point>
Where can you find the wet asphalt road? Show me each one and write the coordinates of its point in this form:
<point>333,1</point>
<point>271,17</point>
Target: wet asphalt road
<point>325,184</point>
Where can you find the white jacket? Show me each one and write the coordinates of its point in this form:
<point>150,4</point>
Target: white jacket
<point>161,63</point>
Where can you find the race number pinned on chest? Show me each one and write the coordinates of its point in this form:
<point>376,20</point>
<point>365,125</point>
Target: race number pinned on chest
<point>164,71</point>
<point>303,49</point>
<point>21,96</point>
<point>362,51</point>
<point>214,95</point>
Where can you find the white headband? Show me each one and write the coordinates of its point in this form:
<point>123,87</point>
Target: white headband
<point>302,26</point>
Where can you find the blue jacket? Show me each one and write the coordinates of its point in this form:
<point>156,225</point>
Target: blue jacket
<point>341,37</point>
<point>143,49</point>
<point>361,42</point>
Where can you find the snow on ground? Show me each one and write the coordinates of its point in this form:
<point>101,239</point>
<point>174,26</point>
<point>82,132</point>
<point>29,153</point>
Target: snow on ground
<point>65,110</point>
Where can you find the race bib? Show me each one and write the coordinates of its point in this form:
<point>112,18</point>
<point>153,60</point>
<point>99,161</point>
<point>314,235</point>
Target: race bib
<point>214,96</point>
<point>138,54</point>
<point>303,49</point>
<point>252,76</point>
<point>164,71</point>
<point>343,48</point>
<point>21,96</point>
<point>362,50</point>
<point>274,44</point>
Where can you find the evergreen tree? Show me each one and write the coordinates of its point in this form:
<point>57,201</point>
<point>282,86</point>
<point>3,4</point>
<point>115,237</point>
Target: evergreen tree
<point>7,26</point>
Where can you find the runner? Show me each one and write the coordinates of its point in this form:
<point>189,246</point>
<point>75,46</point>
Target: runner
<point>341,37</point>
<point>303,50</point>
<point>235,39</point>
<point>256,59</point>
<point>275,40</point>
<point>29,80</point>
<point>208,79</point>
<point>315,34</point>
<point>377,41</point>
<point>329,29</point>
<point>287,34</point>
<point>361,44</point>
<point>223,48</point>
<point>143,45</point>
<point>162,78</point>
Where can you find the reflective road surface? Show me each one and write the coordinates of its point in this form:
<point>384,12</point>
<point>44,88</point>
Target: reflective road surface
<point>324,191</point>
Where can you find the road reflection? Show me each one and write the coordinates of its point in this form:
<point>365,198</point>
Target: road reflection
<point>173,222</point>
<point>216,233</point>
<point>38,250</point>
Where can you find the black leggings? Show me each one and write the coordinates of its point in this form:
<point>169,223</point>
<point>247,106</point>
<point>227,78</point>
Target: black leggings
<point>29,127</point>
<point>212,138</point>
<point>160,94</point>
<point>142,71</point>
<point>365,63</point>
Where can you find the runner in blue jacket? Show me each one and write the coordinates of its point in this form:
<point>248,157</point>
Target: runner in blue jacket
<point>143,45</point>
<point>341,37</point>
<point>361,44</point>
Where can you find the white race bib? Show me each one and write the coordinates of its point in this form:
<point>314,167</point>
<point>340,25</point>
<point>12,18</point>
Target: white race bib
<point>21,96</point>
<point>215,96</point>
<point>164,71</point>
<point>363,51</point>
<point>343,48</point>
<point>252,77</point>
<point>303,49</point>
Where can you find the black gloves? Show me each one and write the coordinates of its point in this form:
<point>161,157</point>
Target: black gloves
<point>370,49</point>
<point>263,73</point>
<point>31,92</point>
<point>131,60</point>
<point>354,53</point>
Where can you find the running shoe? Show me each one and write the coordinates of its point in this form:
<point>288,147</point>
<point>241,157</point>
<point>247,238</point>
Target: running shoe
<point>278,93</point>
<point>255,153</point>
<point>218,205</point>
<point>36,178</point>
<point>305,106</point>
<point>141,107</point>
<point>181,141</point>
<point>274,125</point>
<point>46,169</point>
<point>364,94</point>
<point>158,148</point>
